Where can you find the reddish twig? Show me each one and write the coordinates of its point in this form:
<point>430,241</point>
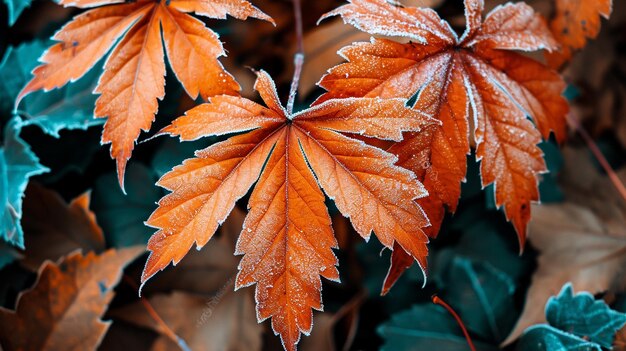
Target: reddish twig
<point>161,325</point>
<point>595,150</point>
<point>298,59</point>
<point>440,302</point>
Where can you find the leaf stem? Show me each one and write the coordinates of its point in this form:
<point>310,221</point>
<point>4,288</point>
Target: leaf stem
<point>161,325</point>
<point>437,301</point>
<point>595,150</point>
<point>298,59</point>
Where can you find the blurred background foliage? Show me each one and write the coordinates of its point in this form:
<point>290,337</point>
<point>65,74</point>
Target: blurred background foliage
<point>52,143</point>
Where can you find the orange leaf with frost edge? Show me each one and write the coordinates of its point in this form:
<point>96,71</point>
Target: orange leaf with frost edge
<point>287,238</point>
<point>475,85</point>
<point>134,74</point>
<point>574,22</point>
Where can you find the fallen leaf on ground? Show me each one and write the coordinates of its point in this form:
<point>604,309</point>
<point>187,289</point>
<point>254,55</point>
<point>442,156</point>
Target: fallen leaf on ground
<point>226,321</point>
<point>64,308</point>
<point>582,241</point>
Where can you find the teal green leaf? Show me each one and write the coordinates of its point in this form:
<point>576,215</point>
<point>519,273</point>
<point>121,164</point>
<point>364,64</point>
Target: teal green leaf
<point>584,316</point>
<point>121,216</point>
<point>425,327</point>
<point>15,70</point>
<point>17,164</point>
<point>15,8</point>
<point>69,107</point>
<point>543,337</point>
<point>482,295</point>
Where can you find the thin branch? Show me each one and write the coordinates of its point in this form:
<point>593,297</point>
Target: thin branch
<point>298,59</point>
<point>161,325</point>
<point>595,150</point>
<point>440,302</point>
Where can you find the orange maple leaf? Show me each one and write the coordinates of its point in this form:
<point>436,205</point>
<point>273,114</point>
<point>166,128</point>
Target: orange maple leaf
<point>574,21</point>
<point>134,73</point>
<point>287,238</point>
<point>475,85</point>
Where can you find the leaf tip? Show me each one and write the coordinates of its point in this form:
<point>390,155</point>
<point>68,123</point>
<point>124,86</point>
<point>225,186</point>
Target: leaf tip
<point>121,170</point>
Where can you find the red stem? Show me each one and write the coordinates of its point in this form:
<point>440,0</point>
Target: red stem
<point>298,58</point>
<point>440,302</point>
<point>595,150</point>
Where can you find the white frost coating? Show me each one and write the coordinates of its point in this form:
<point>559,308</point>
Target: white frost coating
<point>273,90</point>
<point>469,89</point>
<point>515,27</point>
<point>379,17</point>
<point>471,7</point>
<point>390,161</point>
<point>370,119</point>
<point>508,94</point>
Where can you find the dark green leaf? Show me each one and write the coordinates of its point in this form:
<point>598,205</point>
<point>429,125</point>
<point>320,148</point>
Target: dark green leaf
<point>549,189</point>
<point>172,153</point>
<point>121,216</point>
<point>482,295</point>
<point>407,291</point>
<point>425,327</point>
<point>485,239</point>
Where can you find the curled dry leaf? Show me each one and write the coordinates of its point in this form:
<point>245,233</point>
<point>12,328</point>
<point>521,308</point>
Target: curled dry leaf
<point>63,309</point>
<point>582,241</point>
<point>53,228</point>
<point>287,239</point>
<point>475,85</point>
<point>134,73</point>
